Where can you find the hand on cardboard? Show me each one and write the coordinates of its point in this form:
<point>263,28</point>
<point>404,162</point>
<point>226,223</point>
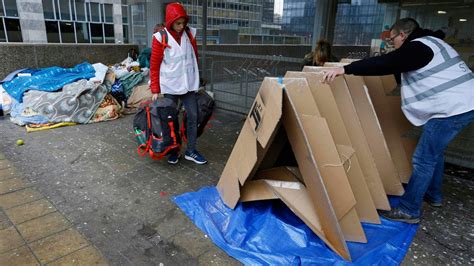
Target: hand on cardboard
<point>330,75</point>
<point>154,96</point>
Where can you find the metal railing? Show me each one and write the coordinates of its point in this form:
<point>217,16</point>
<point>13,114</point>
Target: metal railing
<point>236,78</point>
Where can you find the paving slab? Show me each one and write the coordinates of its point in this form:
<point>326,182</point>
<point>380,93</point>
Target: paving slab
<point>18,256</point>
<point>10,239</point>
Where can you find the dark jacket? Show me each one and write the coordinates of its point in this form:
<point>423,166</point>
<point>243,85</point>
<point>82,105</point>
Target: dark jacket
<point>410,56</point>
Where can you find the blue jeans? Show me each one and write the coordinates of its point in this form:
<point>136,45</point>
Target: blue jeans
<point>428,161</point>
<point>190,105</point>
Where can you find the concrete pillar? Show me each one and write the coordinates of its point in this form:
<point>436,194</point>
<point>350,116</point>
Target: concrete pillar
<point>318,27</point>
<point>118,24</point>
<point>33,29</point>
<point>155,14</point>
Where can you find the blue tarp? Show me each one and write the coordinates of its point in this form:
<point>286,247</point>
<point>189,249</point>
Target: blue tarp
<point>267,232</point>
<point>47,79</point>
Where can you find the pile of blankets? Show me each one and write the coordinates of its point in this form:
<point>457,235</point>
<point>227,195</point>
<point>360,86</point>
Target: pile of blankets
<point>52,97</point>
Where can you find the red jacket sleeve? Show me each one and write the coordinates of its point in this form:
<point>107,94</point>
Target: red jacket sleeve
<point>157,53</point>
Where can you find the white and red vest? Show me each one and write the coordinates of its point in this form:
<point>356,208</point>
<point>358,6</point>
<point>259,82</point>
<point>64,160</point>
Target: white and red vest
<point>179,71</point>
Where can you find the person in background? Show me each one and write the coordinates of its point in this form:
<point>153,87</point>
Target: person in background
<point>437,93</point>
<point>174,73</point>
<point>133,53</point>
<point>386,33</point>
<point>320,55</point>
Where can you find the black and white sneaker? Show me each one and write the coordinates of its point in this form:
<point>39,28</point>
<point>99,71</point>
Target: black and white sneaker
<point>195,156</point>
<point>174,158</point>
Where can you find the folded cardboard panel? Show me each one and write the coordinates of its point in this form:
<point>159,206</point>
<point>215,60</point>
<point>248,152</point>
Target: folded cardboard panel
<point>409,143</point>
<point>375,137</point>
<point>394,101</point>
<point>391,130</point>
<point>372,130</point>
<point>327,107</point>
<point>251,147</point>
<point>317,156</point>
<point>375,178</point>
<point>284,184</point>
<point>389,83</point>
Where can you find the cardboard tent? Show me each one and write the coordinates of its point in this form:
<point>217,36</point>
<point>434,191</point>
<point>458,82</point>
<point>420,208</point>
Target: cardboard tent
<point>318,191</point>
<point>371,127</point>
<point>327,108</point>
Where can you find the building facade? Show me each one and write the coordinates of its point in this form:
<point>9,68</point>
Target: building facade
<point>298,17</point>
<point>364,17</point>
<point>64,21</point>
<point>132,21</point>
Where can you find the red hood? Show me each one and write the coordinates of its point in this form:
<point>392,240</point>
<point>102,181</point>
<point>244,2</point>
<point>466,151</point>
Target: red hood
<point>174,11</point>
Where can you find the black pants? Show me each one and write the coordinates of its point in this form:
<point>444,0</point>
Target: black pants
<point>190,105</point>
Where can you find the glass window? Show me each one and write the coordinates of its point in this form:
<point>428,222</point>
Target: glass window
<point>48,9</point>
<point>10,8</point>
<point>125,14</point>
<point>56,8</point>
<point>13,30</point>
<point>125,34</point>
<point>109,33</point>
<point>82,32</point>
<point>73,11</point>
<point>108,13</point>
<point>97,33</point>
<point>2,13</point>
<point>64,9</point>
<point>67,32</point>
<point>80,10</point>
<point>52,31</point>
<point>95,12</point>
<point>3,37</point>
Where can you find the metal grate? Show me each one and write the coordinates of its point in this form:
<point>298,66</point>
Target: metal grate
<point>236,78</point>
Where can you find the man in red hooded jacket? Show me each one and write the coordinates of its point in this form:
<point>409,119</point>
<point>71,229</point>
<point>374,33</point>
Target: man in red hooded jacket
<point>174,72</point>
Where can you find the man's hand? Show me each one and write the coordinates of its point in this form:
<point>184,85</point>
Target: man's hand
<point>330,75</point>
<point>154,96</point>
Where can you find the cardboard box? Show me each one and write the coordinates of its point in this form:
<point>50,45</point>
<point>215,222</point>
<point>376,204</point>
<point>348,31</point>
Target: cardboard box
<point>325,201</point>
<point>328,109</point>
<point>372,130</point>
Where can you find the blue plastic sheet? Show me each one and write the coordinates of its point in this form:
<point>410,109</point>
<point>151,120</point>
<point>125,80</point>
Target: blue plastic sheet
<point>267,232</point>
<point>47,79</point>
